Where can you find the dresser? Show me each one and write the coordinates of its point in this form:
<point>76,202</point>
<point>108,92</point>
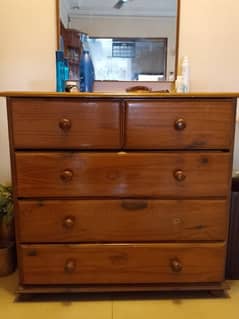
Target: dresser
<point>121,192</point>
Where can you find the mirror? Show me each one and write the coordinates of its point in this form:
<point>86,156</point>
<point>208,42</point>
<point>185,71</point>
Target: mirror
<point>128,40</point>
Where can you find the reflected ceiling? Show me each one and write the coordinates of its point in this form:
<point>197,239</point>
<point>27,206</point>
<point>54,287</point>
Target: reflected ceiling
<point>128,8</point>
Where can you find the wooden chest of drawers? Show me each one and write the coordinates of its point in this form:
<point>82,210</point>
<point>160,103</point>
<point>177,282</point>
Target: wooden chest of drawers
<point>117,193</point>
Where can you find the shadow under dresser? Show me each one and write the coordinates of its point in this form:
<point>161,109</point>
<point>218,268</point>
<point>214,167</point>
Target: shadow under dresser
<point>121,192</point>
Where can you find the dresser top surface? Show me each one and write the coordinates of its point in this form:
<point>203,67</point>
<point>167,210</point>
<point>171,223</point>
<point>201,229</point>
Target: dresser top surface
<point>120,94</point>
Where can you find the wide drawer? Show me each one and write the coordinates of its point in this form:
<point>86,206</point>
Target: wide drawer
<point>180,124</point>
<point>122,263</point>
<point>65,123</point>
<point>127,220</point>
<point>182,174</point>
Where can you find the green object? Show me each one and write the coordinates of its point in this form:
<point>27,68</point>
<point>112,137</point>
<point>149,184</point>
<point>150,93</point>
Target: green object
<point>6,203</point>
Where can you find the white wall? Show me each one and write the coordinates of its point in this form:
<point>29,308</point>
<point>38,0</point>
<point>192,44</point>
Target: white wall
<point>4,145</point>
<point>27,56</point>
<point>119,26</point>
<point>208,35</point>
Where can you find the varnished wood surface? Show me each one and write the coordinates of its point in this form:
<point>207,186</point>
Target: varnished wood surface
<point>132,197</point>
<point>131,220</point>
<point>153,124</point>
<point>118,264</point>
<point>50,174</point>
<point>54,123</point>
<point>120,94</point>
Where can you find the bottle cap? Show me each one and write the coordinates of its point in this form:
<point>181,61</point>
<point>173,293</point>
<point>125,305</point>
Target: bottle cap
<point>72,86</point>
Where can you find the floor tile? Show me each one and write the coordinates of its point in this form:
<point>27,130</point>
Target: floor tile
<point>197,305</point>
<point>67,306</point>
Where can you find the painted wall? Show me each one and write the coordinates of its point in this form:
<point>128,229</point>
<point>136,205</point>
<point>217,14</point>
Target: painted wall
<point>27,56</point>
<point>164,27</point>
<point>208,35</point>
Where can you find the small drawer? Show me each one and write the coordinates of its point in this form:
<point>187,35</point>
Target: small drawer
<point>65,123</point>
<point>152,174</point>
<point>126,220</point>
<point>122,263</point>
<point>180,124</point>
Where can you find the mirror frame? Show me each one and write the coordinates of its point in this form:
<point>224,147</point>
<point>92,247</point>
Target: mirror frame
<point>177,35</point>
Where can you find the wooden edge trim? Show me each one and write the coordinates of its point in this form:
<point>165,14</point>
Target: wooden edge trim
<point>28,289</point>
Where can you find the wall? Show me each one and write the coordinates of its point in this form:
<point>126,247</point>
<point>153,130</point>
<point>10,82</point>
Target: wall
<point>4,149</point>
<point>27,61</point>
<point>27,56</point>
<point>131,27</point>
<point>209,36</point>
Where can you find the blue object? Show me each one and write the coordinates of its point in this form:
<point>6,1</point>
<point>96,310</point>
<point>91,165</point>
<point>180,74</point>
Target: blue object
<point>60,72</point>
<point>66,71</point>
<point>87,73</point>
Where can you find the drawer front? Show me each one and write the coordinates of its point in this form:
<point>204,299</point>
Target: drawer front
<point>122,174</point>
<point>65,123</point>
<point>180,124</point>
<point>128,220</point>
<point>122,263</point>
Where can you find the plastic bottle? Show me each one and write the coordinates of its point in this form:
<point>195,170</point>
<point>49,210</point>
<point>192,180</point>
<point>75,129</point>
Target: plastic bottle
<point>87,74</point>
<point>179,84</point>
<point>60,65</point>
<point>171,76</point>
<point>186,74</point>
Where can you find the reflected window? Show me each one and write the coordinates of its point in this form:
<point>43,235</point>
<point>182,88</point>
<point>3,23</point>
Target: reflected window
<point>129,59</point>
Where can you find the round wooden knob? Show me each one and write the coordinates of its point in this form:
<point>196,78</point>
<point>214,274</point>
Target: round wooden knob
<point>176,265</point>
<point>180,124</point>
<point>179,175</point>
<point>68,222</point>
<point>70,266</point>
<point>65,124</point>
<point>66,175</point>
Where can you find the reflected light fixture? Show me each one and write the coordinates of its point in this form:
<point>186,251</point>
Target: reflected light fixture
<point>120,4</point>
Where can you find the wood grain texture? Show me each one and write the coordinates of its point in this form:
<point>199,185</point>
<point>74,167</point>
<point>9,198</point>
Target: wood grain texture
<point>128,263</point>
<point>122,174</point>
<point>91,219</point>
<point>121,220</point>
<point>151,124</point>
<point>123,94</point>
<point>39,123</point>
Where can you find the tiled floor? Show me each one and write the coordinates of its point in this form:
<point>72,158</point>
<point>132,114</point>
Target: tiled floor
<point>162,306</point>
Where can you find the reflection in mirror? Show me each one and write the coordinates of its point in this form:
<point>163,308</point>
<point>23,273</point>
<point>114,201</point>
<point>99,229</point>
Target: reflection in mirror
<point>128,40</point>
<point>129,59</point>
